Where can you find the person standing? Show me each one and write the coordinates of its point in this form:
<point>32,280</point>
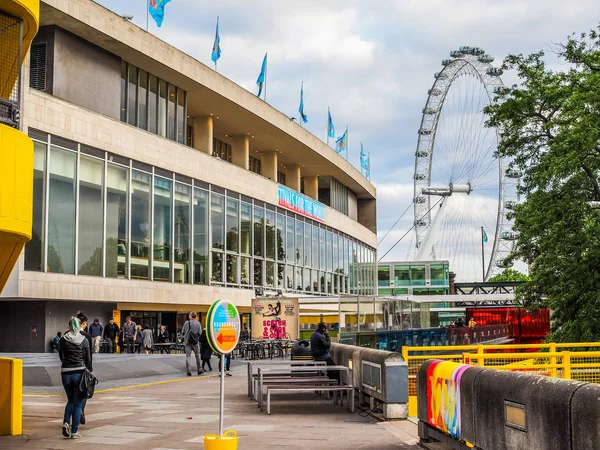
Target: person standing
<point>205,351</point>
<point>56,341</point>
<point>96,333</point>
<point>163,338</point>
<point>84,326</point>
<point>129,334</point>
<point>191,338</point>
<point>139,338</point>
<point>111,331</point>
<point>227,364</point>
<point>147,339</point>
<point>320,345</point>
<point>75,356</point>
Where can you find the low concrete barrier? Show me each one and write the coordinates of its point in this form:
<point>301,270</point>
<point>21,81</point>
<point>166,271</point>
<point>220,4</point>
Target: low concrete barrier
<point>497,410</point>
<point>11,396</point>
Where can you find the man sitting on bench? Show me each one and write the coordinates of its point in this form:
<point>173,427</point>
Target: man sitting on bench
<point>320,345</point>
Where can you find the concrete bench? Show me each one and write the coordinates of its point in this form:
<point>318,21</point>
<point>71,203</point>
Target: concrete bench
<point>349,389</point>
<point>292,380</point>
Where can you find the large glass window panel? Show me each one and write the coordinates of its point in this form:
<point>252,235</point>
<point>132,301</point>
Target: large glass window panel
<point>322,250</point>
<point>245,271</point>
<point>91,181</point>
<point>140,223</point>
<point>270,274</point>
<point>259,231</point>
<point>270,234</point>
<point>34,250</point>
<point>383,276</point>
<point>315,280</point>
<point>132,95</point>
<point>289,277</point>
<point>181,120</point>
<point>336,253</point>
<point>123,91</point>
<point>61,212</point>
<point>200,210</point>
<point>298,279</point>
<point>335,283</point>
<point>438,273</point>
<point>246,228</point>
<point>162,108</point>
<point>163,192</point>
<point>142,102</point>
<point>280,237</point>
<point>315,247</point>
<point>346,257</point>
<point>299,242</point>
<point>401,275</point>
<point>183,231</point>
<point>280,276</point>
<point>306,279</point>
<point>152,104</point>
<point>233,217</point>
<point>217,220</point>
<point>289,235</point>
<point>217,267</point>
<point>117,190</point>
<point>258,272</point>
<point>171,113</point>
<point>329,250</point>
<point>417,275</point>
<point>322,282</point>
<point>307,245</point>
<point>231,269</point>
<point>329,284</point>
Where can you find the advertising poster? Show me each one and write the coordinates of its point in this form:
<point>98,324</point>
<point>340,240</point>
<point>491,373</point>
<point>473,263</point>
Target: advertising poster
<point>275,318</point>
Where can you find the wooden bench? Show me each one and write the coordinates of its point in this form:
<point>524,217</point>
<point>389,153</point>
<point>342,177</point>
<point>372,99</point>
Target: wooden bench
<point>349,389</point>
<point>293,380</point>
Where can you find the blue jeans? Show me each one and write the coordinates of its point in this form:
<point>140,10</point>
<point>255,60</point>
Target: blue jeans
<point>70,381</point>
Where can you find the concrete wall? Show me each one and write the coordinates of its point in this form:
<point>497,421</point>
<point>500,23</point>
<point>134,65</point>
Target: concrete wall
<point>367,214</point>
<point>16,334</point>
<point>86,75</point>
<point>352,205</point>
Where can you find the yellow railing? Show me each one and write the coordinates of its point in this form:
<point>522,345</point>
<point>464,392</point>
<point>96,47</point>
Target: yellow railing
<point>555,360</point>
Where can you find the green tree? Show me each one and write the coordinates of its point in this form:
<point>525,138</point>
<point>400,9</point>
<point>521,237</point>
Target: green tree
<point>509,275</point>
<point>550,128</point>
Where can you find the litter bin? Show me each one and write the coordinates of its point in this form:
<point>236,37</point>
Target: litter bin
<point>301,350</point>
<point>229,441</point>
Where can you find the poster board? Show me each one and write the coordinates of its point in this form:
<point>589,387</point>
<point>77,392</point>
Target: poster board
<point>275,318</point>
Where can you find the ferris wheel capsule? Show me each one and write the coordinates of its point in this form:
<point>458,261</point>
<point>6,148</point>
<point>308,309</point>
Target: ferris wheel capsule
<point>465,49</point>
<point>440,76</point>
<point>494,71</point>
<point>510,205</point>
<point>434,92</point>
<point>445,62</point>
<point>513,173</point>
<point>508,235</point>
<point>502,264</point>
<point>429,111</point>
<point>456,54</point>
<point>424,132</point>
<point>486,59</point>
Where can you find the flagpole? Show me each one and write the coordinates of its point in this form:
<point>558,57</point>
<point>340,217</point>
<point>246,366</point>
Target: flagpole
<point>219,43</point>
<point>302,100</point>
<point>266,69</point>
<point>347,142</point>
<point>328,114</point>
<point>482,258</point>
<point>369,167</point>
<point>147,13</point>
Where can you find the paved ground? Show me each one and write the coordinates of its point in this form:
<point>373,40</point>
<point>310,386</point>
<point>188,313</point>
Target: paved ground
<point>176,414</point>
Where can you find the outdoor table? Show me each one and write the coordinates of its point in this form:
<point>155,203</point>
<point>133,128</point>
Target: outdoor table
<point>254,363</point>
<point>292,371</point>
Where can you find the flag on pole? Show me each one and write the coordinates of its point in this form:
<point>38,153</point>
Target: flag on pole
<point>330,127</point>
<point>368,168</point>
<point>262,77</point>
<point>301,108</point>
<point>216,51</point>
<point>156,8</point>
<point>341,144</point>
<point>484,236</point>
<point>363,159</point>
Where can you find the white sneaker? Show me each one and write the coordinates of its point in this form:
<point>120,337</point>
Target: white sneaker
<point>76,435</point>
<point>66,430</point>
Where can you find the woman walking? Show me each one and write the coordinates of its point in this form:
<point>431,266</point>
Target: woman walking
<point>147,339</point>
<point>205,350</point>
<point>76,356</point>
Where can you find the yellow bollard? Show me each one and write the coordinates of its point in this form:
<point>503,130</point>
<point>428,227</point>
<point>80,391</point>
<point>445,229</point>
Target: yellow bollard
<point>11,396</point>
<point>229,441</point>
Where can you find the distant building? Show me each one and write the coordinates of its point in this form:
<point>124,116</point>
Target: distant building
<point>413,278</point>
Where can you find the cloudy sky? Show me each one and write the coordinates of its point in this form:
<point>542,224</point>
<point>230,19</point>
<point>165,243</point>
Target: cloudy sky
<point>371,61</point>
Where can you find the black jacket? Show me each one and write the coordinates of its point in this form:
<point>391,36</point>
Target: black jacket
<point>205,350</point>
<point>111,331</point>
<point>75,353</point>
<point>319,345</point>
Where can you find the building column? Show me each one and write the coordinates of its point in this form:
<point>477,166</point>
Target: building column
<point>268,165</point>
<point>311,187</point>
<point>292,177</point>
<point>203,134</point>
<point>240,151</point>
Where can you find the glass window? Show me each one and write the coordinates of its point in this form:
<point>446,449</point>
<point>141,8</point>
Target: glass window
<point>182,224</point>
<point>438,275</point>
<point>132,95</point>
<point>162,108</point>
<point>335,283</point>
<point>217,267</point>
<point>315,280</point>
<point>163,191</point>
<point>140,223</point>
<point>298,279</point>
<point>307,245</point>
<point>181,119</point>
<point>34,250</point>
<point>61,212</point>
<point>322,282</point>
<point>329,250</point>
<point>259,227</point>
<point>232,269</point>
<point>270,274</point>
<point>329,286</point>
<point>245,271</point>
<point>171,112</point>
<point>117,190</point>
<point>123,91</point>
<point>233,217</point>
<point>289,235</point>
<point>91,206</point>
<point>299,241</point>
<point>306,278</point>
<point>200,236</point>
<point>289,277</point>
<point>270,236</point>
<point>246,231</point>
<point>258,272</point>
<point>346,257</point>
<point>280,276</point>
<point>152,104</point>
<point>217,220</point>
<point>322,251</point>
<point>315,247</point>
<point>401,275</point>
<point>142,101</point>
<point>383,276</point>
<point>336,253</point>
<point>417,275</point>
<point>280,237</point>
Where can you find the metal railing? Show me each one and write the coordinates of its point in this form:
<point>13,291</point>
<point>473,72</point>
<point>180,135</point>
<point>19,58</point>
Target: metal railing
<point>11,47</point>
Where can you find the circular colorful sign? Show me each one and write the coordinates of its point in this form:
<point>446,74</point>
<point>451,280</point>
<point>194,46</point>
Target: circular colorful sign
<point>223,326</point>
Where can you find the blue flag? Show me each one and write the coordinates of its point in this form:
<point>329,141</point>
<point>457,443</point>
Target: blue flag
<point>368,168</point>
<point>341,144</point>
<point>262,77</point>
<point>364,161</point>
<point>156,8</point>
<point>216,52</point>
<point>484,236</point>
<point>301,108</point>
<point>330,127</point>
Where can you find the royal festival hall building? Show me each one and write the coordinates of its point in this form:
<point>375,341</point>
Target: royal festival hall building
<point>161,186</point>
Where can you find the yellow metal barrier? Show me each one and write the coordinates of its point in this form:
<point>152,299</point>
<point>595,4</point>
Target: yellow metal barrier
<point>11,396</point>
<point>555,360</point>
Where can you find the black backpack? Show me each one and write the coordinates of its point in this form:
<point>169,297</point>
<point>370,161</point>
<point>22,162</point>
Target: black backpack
<point>87,384</point>
<point>193,338</point>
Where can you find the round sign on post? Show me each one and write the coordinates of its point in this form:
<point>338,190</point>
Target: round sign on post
<point>223,326</point>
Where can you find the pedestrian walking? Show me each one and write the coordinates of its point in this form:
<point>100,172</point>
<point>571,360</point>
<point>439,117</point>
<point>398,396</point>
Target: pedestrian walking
<point>56,341</point>
<point>147,339</point>
<point>84,326</point>
<point>163,338</point>
<point>75,356</point>
<point>139,339</point>
<point>111,331</point>
<point>205,350</point>
<point>227,364</point>
<point>191,338</point>
<point>129,334</point>
<point>96,333</point>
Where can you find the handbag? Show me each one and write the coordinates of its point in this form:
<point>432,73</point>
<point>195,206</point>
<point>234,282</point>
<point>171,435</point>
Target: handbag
<point>88,383</point>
